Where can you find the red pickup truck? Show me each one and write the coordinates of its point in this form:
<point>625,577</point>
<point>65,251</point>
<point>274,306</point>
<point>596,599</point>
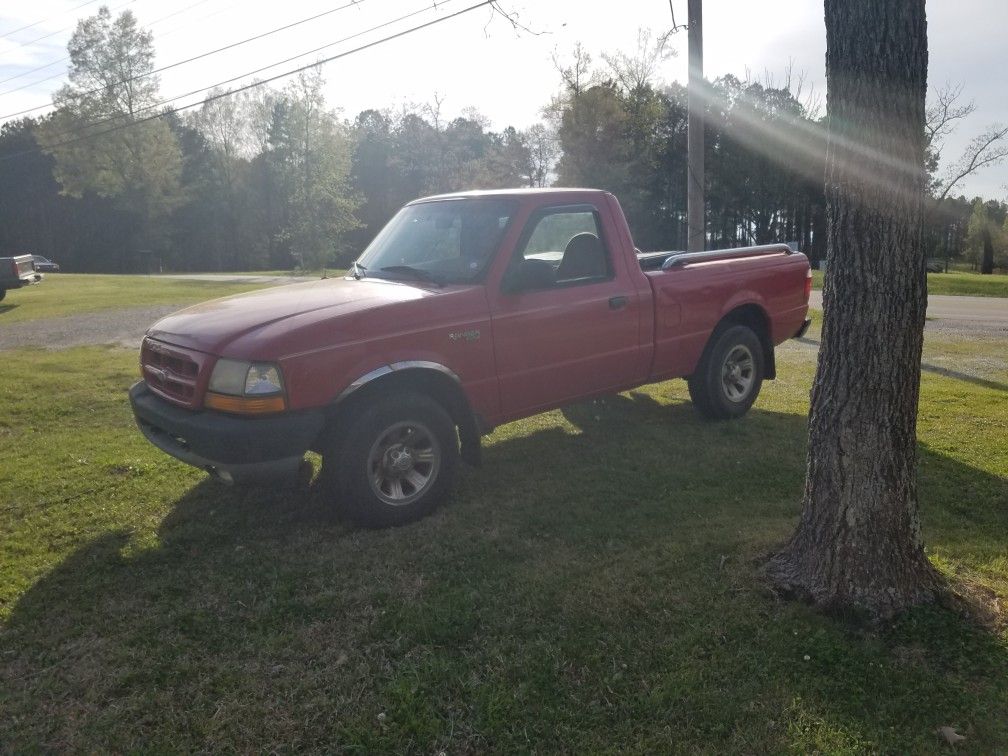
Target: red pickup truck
<point>467,311</point>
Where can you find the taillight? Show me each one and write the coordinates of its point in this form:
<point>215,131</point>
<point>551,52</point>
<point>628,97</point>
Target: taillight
<point>808,285</point>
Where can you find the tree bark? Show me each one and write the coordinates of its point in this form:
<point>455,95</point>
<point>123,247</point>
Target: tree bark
<point>818,235</point>
<point>858,544</point>
<point>987,260</point>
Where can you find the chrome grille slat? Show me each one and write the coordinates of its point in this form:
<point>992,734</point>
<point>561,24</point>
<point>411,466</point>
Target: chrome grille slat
<point>170,372</point>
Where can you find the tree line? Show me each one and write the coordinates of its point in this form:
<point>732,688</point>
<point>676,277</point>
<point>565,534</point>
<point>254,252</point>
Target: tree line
<point>276,178</point>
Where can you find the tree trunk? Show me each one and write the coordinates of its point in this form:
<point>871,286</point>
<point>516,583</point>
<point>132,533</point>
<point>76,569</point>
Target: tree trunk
<point>858,544</point>
<point>987,261</point>
<point>818,234</point>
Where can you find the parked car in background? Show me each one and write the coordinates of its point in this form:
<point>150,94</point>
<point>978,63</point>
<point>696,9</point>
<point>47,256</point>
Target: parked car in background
<point>16,272</point>
<point>45,265</point>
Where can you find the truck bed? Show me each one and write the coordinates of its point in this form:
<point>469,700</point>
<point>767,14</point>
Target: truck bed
<point>693,290</point>
<point>665,260</point>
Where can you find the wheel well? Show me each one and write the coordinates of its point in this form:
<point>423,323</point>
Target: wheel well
<point>435,384</point>
<point>755,318</point>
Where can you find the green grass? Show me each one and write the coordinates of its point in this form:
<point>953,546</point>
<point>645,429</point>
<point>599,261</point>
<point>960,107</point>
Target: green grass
<point>962,284</point>
<point>594,587</point>
<point>73,293</point>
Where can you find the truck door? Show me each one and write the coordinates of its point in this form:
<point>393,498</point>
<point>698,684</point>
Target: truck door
<point>566,316</point>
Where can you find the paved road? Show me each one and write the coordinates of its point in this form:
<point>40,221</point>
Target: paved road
<point>962,313</point>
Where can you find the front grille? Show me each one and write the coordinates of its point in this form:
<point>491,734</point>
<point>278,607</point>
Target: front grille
<point>170,371</point>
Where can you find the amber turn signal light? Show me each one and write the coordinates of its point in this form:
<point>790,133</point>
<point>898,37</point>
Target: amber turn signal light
<point>243,405</point>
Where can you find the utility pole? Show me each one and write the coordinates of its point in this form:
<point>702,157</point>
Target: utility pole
<point>695,216</point>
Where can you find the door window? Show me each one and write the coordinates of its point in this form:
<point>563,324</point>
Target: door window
<point>562,247</point>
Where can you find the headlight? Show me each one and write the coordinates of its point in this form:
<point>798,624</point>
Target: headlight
<point>263,379</point>
<point>239,378</point>
<point>245,387</point>
<point>229,376</point>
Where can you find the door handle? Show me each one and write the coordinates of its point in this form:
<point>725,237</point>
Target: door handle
<point>617,303</point>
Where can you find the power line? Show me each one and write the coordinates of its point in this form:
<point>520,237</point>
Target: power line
<point>253,85</point>
<point>30,71</point>
<point>44,20</point>
<point>67,57</point>
<point>68,28</point>
<point>168,100</point>
<point>351,4</point>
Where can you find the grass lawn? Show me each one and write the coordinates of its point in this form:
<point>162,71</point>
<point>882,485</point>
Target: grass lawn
<point>594,587</point>
<point>73,293</point>
<point>965,284</point>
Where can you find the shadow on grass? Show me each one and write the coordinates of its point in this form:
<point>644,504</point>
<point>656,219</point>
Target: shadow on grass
<point>944,372</point>
<point>959,376</point>
<point>7,308</point>
<point>591,588</point>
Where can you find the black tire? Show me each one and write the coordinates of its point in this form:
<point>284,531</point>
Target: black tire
<point>730,374</point>
<point>3,293</point>
<point>393,461</point>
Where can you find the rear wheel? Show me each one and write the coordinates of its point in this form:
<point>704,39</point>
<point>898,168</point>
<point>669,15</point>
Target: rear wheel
<point>730,374</point>
<point>393,461</point>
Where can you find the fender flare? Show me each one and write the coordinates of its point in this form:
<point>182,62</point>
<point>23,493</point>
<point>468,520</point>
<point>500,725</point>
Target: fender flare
<point>383,370</point>
<point>459,408</point>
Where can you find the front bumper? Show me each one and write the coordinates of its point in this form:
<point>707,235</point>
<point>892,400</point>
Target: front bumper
<point>229,448</point>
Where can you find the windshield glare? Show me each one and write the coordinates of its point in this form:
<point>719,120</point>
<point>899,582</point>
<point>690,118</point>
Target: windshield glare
<point>450,241</point>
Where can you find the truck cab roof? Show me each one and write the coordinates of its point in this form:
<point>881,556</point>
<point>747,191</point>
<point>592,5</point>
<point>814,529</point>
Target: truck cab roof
<point>524,192</point>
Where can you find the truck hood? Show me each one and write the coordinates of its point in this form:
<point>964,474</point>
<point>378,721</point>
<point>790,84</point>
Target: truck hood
<point>209,327</point>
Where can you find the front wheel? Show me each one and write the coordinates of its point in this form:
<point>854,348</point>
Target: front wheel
<point>728,379</point>
<point>393,462</point>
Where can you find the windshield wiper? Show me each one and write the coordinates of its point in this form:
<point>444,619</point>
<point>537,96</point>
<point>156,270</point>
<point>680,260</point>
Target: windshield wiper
<point>419,273</point>
<point>357,270</point>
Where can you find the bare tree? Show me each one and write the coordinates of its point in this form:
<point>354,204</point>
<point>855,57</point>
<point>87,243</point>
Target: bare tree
<point>797,84</point>
<point>635,71</point>
<point>544,149</point>
<point>433,109</point>
<point>986,149</point>
<point>577,74</point>
<point>942,113</point>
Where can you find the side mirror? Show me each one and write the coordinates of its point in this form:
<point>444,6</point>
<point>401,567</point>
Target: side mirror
<point>528,275</point>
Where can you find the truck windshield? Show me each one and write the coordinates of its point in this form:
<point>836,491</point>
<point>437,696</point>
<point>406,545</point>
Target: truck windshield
<point>445,241</point>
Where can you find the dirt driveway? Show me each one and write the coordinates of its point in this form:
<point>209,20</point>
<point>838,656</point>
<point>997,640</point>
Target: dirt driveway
<point>119,327</point>
<point>124,327</point>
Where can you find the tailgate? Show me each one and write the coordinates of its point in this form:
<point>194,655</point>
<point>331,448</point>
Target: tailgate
<point>25,266</point>
<point>23,269</point>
